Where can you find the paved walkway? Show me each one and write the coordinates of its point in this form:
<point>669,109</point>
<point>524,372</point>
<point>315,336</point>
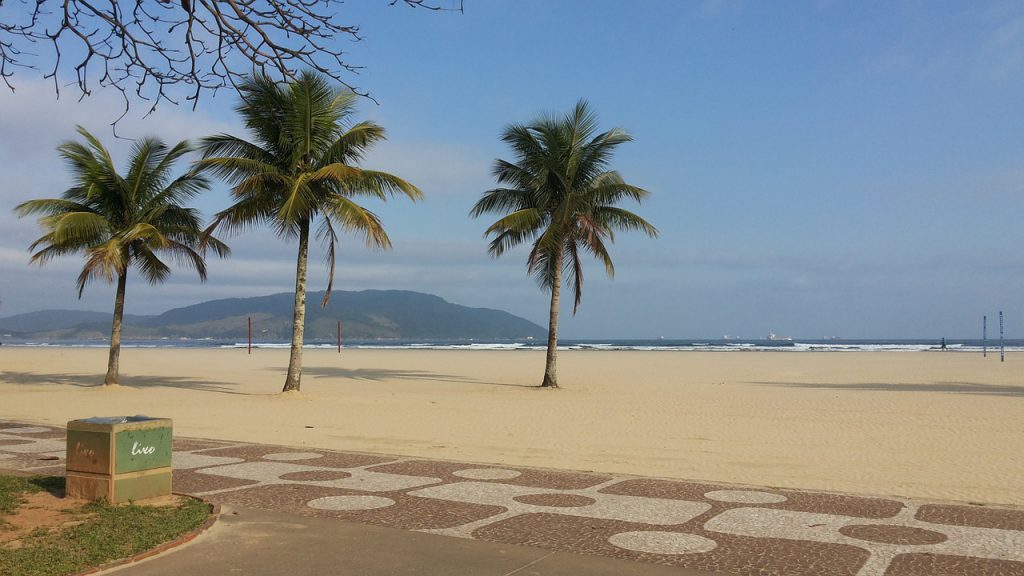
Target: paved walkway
<point>702,526</point>
<point>269,543</point>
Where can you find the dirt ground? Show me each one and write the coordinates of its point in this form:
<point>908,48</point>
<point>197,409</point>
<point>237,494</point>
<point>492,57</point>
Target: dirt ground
<point>46,511</point>
<point>40,511</point>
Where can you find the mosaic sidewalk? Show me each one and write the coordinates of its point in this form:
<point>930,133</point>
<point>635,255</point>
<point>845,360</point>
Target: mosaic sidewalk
<point>719,528</point>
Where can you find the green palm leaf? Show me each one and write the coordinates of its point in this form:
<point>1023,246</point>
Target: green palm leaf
<point>560,195</point>
<point>298,168</point>
<point>121,222</point>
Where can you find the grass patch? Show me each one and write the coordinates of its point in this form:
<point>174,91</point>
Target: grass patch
<point>13,487</point>
<point>106,533</point>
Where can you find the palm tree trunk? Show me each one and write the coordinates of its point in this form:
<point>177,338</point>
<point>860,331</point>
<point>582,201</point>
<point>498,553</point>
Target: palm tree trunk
<point>550,378</point>
<point>299,319</point>
<point>114,362</point>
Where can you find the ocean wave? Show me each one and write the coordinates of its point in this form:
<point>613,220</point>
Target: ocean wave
<point>660,345</point>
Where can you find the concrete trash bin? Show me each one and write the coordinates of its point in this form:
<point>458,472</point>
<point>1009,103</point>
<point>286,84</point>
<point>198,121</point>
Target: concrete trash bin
<point>120,458</point>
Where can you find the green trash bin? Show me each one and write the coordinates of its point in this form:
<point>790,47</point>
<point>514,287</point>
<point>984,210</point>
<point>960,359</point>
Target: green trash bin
<point>119,458</point>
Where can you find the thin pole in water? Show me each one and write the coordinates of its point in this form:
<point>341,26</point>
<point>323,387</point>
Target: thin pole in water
<point>984,336</point>
<point>339,336</point>
<point>250,334</point>
<point>1002,351</point>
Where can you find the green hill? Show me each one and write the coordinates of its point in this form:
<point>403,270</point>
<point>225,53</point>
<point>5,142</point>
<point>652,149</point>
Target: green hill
<point>364,315</point>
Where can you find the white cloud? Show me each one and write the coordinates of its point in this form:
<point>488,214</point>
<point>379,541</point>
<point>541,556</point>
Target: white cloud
<point>36,111</point>
<point>439,169</point>
<point>983,46</point>
<point>34,123</point>
<point>1000,56</point>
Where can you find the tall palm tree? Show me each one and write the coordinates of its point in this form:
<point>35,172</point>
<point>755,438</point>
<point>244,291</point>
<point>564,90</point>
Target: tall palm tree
<point>559,195</point>
<point>299,169</point>
<point>122,221</point>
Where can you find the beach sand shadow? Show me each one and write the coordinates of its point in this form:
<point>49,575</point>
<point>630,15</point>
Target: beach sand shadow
<point>380,375</point>
<point>146,381</point>
<point>944,387</point>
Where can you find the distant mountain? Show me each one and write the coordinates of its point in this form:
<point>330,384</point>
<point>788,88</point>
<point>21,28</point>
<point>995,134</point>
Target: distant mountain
<point>364,315</point>
<point>55,323</point>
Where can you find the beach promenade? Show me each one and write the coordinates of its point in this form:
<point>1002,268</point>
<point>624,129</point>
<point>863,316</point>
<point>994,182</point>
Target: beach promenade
<point>712,527</point>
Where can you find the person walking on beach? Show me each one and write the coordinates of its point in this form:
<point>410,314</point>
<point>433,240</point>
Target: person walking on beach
<point>943,347</point>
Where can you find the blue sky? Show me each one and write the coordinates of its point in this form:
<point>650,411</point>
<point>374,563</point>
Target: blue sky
<point>816,168</point>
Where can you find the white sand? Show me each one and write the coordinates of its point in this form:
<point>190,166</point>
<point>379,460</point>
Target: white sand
<point>933,425</point>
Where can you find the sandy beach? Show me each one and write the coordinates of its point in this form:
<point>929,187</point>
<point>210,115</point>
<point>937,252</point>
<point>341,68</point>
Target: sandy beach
<point>947,426</point>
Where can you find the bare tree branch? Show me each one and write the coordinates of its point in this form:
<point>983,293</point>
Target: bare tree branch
<point>158,50</point>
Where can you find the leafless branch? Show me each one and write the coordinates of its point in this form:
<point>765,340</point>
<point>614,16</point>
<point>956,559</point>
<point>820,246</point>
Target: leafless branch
<point>158,50</point>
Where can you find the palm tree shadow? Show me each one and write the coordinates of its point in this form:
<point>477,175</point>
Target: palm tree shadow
<point>971,388</point>
<point>381,375</point>
<point>146,381</point>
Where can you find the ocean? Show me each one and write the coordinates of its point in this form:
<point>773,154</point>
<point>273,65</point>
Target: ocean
<point>658,345</point>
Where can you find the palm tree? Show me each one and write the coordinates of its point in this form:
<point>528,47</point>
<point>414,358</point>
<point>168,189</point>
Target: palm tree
<point>559,195</point>
<point>300,169</point>
<point>120,222</point>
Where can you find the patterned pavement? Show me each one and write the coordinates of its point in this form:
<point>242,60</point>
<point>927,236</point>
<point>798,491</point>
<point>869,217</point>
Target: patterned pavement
<point>713,527</point>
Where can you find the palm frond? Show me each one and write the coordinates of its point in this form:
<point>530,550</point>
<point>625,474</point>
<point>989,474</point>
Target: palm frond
<point>157,183</point>
<point>509,239</point>
<point>514,229</point>
<point>97,150</point>
<point>49,207</point>
<point>354,218</point>
<point>153,269</point>
<point>592,236</point>
<point>176,222</point>
<point>242,215</point>
<point>118,221</point>
<point>267,187</point>
<point>182,188</point>
<point>581,122</point>
<point>228,146</point>
<point>576,274</point>
<point>330,238</point>
<point>615,218</point>
<point>313,118</point>
<point>543,263</point>
<point>106,261</point>
<point>559,192</point>
<point>221,249</point>
<point>609,188</point>
<point>515,175</point>
<point>76,228</point>
<point>188,257</point>
<point>262,105</point>
<point>50,251</point>
<point>352,144</point>
<point>502,200</point>
<point>236,169</point>
<point>146,155</point>
<point>300,202</point>
<point>380,184</point>
<point>144,233</point>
